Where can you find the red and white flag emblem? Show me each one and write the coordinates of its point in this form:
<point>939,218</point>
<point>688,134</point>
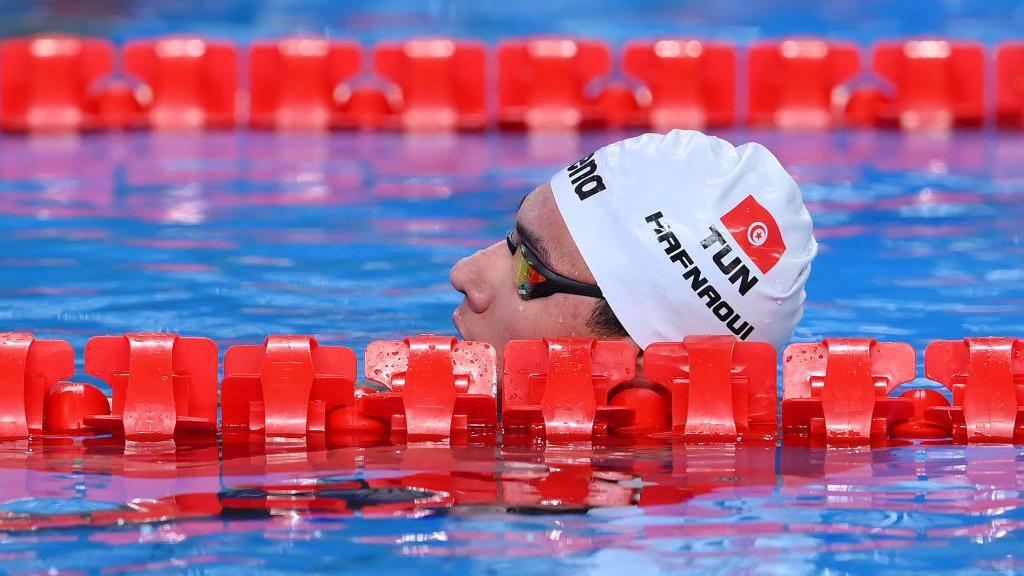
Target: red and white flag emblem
<point>755,230</point>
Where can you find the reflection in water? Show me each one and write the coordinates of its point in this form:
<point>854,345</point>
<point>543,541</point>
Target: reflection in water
<point>708,500</point>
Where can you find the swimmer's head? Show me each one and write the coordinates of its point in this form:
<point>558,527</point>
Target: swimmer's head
<point>492,309</point>
<point>680,234</point>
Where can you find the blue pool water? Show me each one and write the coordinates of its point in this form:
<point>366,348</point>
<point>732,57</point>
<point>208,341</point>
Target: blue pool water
<point>349,236</point>
<point>618,21</point>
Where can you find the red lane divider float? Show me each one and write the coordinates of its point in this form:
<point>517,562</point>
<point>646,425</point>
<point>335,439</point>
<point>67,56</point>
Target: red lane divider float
<point>1010,85</point>
<point>188,82</point>
<point>689,83</point>
<point>437,387</point>
<point>301,83</point>
<point>836,391</point>
<point>986,376</point>
<point>560,388</point>
<point>794,83</point>
<point>919,426</point>
<point>720,389</point>
<point>441,84</point>
<point>542,82</point>
<point>45,82</point>
<point>59,82</point>
<point>286,387</point>
<point>163,384</point>
<point>28,369</point>
<point>69,404</point>
<point>938,84</point>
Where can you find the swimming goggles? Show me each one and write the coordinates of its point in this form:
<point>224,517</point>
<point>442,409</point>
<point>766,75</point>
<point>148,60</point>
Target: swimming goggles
<point>535,280</point>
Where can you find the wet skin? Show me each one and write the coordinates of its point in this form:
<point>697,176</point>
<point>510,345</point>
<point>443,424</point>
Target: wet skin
<point>492,311</point>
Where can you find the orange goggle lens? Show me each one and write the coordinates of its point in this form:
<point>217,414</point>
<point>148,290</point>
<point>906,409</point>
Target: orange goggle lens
<point>526,276</point>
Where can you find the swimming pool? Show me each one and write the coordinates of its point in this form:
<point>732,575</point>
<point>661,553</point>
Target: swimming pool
<point>235,234</point>
<point>349,236</point>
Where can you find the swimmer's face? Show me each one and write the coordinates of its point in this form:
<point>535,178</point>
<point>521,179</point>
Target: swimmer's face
<point>492,310</point>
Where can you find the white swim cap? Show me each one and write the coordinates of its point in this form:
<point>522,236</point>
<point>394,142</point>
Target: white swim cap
<point>688,235</point>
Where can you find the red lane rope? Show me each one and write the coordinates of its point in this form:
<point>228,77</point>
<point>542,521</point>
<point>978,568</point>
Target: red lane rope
<point>67,83</point>
<point>437,388</point>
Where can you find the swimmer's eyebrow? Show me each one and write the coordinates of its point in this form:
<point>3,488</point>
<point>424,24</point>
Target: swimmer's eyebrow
<point>534,243</point>
<point>532,240</point>
<point>520,207</point>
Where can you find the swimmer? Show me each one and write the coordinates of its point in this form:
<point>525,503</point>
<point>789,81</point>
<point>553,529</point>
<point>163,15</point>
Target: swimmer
<point>650,239</point>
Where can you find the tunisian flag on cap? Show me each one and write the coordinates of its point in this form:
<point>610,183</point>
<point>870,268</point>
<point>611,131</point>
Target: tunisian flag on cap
<point>755,230</point>
<point>644,235</point>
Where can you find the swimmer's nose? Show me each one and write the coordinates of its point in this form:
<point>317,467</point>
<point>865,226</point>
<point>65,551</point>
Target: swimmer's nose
<point>467,277</point>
